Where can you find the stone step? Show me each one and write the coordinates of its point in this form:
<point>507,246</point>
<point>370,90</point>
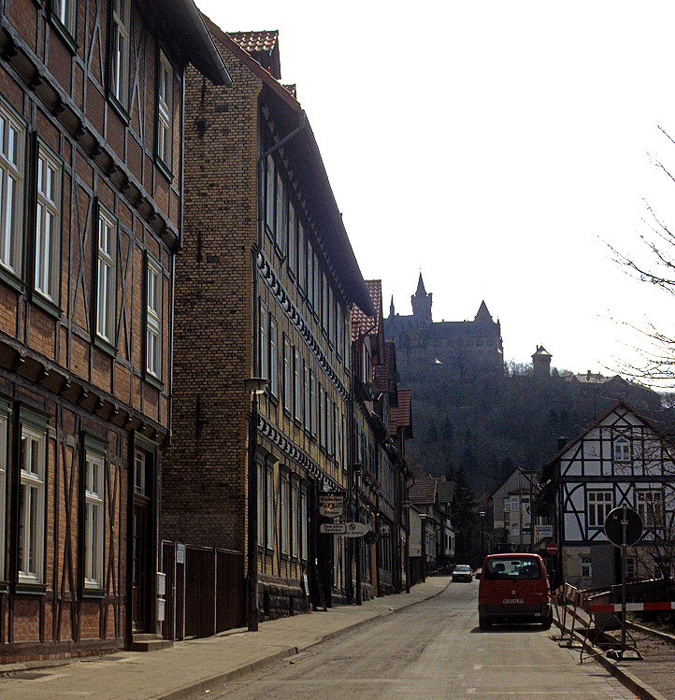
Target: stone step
<point>149,642</point>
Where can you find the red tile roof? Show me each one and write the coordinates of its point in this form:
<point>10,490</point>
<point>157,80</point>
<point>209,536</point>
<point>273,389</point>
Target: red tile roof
<point>401,416</point>
<point>423,491</point>
<point>253,42</point>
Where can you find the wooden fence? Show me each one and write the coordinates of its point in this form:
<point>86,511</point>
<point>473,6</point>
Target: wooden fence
<point>205,590</point>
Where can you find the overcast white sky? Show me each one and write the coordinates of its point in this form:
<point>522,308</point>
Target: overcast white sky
<point>493,146</point>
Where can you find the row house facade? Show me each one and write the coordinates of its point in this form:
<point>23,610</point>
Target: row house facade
<point>267,278</point>
<point>432,530</point>
<point>381,473</point>
<point>91,122</point>
<point>512,518</point>
<point>621,459</point>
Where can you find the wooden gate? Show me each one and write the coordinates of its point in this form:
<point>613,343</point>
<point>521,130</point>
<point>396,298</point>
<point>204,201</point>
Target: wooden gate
<point>205,591</point>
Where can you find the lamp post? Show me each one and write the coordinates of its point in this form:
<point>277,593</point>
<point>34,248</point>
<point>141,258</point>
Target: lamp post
<point>254,386</point>
<point>482,536</point>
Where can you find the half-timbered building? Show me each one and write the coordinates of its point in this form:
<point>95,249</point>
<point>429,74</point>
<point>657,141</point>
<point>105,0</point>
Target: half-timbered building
<point>90,217</point>
<point>622,458</point>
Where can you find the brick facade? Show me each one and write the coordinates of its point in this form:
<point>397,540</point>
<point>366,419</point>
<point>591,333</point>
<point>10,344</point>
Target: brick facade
<point>83,411</point>
<point>264,286</point>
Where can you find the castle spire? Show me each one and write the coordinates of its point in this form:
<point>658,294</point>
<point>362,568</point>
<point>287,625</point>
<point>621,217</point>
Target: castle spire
<point>392,312</point>
<point>421,304</point>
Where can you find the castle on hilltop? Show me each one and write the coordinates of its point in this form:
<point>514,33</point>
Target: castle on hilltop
<point>466,348</point>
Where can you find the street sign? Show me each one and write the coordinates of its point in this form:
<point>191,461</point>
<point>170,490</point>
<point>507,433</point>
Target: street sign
<point>332,528</point>
<point>616,525</point>
<point>552,548</point>
<point>331,505</point>
<point>356,529</point>
<point>542,531</point>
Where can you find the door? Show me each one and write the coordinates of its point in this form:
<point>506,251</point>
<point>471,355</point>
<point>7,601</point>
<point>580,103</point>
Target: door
<point>141,549</point>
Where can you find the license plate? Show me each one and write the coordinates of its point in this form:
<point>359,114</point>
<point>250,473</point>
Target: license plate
<point>513,600</point>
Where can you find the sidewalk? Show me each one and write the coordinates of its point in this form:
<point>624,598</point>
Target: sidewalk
<point>191,667</point>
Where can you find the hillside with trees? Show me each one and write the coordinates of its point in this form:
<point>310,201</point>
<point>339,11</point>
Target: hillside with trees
<point>488,425</point>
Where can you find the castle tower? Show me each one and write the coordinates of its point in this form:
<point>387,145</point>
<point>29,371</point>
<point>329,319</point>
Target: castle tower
<point>421,304</point>
<point>541,362</point>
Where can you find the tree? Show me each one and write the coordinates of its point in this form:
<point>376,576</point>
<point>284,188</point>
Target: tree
<point>467,539</point>
<point>656,267</point>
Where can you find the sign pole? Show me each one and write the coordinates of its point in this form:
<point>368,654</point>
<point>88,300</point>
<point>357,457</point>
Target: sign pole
<point>624,550</point>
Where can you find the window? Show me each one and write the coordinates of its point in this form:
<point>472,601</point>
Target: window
<point>93,521</point>
<point>287,376</point>
<point>165,111</point>
<point>281,214</point>
<point>310,275</point>
<point>304,549</point>
<point>322,417</point>
<point>283,513</point>
<point>312,405</point>
<point>292,239</point>
<point>261,503</point>
<point>302,257</point>
<point>297,385</point>
<point>650,508</point>
<point>622,450</point>
<point>295,518</point>
<point>599,505</point>
<point>153,318</point>
<point>269,506</point>
<point>12,169</point>
<point>585,565</point>
<point>270,202</point>
<point>32,503</point>
<point>48,225</point>
<point>120,51</point>
<point>263,348</point>
<point>106,286</point>
<point>274,357</point>
<point>307,398</point>
<point>3,493</point>
<point>65,11</point>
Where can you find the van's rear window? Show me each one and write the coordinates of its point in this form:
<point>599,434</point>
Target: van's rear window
<point>510,569</point>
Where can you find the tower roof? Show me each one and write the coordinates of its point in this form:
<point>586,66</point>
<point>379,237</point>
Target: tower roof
<point>421,291</point>
<point>483,313</point>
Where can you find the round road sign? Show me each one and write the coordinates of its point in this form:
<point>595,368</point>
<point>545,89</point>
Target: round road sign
<point>620,518</point>
<point>552,548</point>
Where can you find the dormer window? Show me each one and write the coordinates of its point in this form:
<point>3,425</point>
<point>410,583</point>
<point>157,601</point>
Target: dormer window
<point>623,452</point>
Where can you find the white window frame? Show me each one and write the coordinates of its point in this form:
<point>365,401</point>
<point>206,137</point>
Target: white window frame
<point>94,519</point>
<point>153,320</point>
<point>66,12</point>
<point>49,193</point>
<point>120,59</point>
<point>622,451</point>
<point>32,503</point>
<point>12,186</point>
<point>649,505</point>
<point>165,110</point>
<point>599,508</point>
<point>106,276</point>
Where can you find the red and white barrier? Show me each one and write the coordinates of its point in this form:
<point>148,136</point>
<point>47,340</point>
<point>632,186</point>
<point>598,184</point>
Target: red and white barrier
<point>630,607</point>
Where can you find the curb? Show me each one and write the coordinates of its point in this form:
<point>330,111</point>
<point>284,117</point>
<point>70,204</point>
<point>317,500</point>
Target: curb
<point>214,682</point>
<point>626,678</point>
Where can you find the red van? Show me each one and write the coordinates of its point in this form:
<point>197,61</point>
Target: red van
<point>514,588</point>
